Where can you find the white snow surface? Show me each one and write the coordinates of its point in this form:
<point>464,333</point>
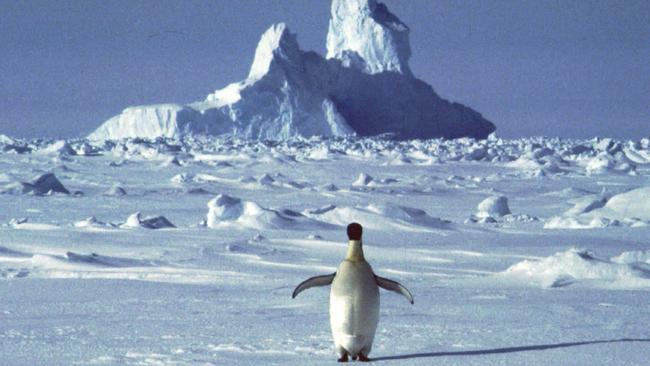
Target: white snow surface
<point>364,87</point>
<point>84,278</point>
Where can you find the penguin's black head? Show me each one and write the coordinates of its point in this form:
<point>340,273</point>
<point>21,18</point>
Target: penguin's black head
<point>355,231</point>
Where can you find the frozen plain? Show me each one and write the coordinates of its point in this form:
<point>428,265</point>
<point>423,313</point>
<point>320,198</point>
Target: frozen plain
<point>562,280</point>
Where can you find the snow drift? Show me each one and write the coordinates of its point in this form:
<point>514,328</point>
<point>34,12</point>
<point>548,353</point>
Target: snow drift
<point>227,211</point>
<point>576,265</point>
<point>364,87</point>
<point>379,217</point>
<point>630,208</point>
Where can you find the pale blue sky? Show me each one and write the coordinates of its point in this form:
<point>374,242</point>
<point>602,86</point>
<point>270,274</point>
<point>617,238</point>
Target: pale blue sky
<point>533,67</point>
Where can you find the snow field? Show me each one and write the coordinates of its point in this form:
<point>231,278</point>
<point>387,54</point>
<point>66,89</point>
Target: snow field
<point>86,280</point>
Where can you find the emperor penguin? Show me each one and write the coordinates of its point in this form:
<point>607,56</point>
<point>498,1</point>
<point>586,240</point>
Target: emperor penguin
<point>354,300</point>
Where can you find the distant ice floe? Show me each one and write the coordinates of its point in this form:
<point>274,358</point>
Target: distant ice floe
<point>630,269</point>
<point>629,209</point>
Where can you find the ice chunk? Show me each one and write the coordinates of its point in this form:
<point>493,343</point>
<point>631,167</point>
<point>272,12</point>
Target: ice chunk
<point>43,185</point>
<point>493,207</point>
<point>115,191</point>
<point>364,180</point>
<point>157,222</point>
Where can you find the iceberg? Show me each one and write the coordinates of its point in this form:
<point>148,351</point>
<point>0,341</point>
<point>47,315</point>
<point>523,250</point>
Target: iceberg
<point>364,87</point>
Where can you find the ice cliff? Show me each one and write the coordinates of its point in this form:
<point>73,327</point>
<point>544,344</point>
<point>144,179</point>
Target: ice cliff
<point>363,87</point>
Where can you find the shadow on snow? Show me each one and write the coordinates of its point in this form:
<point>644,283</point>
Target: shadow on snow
<point>540,347</point>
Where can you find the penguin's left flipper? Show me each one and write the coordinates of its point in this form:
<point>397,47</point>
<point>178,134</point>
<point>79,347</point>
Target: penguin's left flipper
<point>317,281</point>
<point>394,286</point>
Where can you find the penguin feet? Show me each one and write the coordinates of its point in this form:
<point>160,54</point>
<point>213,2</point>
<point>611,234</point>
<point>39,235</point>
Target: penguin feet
<point>344,358</point>
<point>363,358</point>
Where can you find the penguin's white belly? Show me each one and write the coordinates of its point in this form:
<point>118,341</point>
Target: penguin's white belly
<point>354,307</point>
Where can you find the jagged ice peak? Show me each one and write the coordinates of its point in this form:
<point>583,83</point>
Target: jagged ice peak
<point>364,34</point>
<point>277,41</point>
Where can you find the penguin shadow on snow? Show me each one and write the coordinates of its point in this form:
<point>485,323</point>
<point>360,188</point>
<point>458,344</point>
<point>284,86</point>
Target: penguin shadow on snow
<point>481,352</point>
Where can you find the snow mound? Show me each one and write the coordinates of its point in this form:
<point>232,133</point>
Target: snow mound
<point>92,223</point>
<point>365,87</point>
<point>95,259</point>
<point>364,180</point>
<point>59,148</point>
<point>539,162</point>
<point>641,256</point>
<point>635,203</point>
<point>9,145</point>
<point>559,222</point>
<point>157,222</point>
<point>379,217</point>
<point>44,184</point>
<point>586,204</point>
<point>6,140</point>
<point>629,209</point>
<point>606,162</point>
<point>493,207</point>
<point>171,162</point>
<point>576,265</point>
<point>227,211</point>
<point>115,191</point>
<point>86,149</point>
<point>265,180</point>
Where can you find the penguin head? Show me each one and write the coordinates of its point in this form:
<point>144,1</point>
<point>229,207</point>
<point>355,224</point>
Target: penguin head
<point>355,231</point>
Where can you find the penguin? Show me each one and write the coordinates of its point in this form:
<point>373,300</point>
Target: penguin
<point>354,300</point>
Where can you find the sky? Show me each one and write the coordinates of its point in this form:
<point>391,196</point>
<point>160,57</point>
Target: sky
<point>566,68</point>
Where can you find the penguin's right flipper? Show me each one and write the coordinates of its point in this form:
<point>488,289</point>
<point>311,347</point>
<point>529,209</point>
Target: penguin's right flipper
<point>394,286</point>
<point>317,281</point>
